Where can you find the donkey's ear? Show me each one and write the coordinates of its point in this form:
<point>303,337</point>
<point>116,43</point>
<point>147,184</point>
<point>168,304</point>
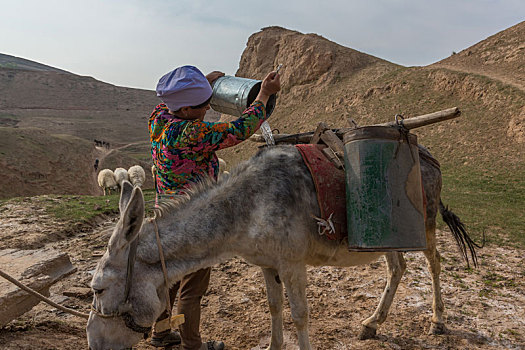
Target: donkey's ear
<point>125,195</point>
<point>130,221</point>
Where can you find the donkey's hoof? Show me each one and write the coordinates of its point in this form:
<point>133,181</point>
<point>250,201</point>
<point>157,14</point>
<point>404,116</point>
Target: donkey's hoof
<point>438,328</point>
<point>366,333</point>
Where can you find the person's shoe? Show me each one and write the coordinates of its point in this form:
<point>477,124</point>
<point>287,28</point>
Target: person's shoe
<point>212,345</point>
<point>167,338</point>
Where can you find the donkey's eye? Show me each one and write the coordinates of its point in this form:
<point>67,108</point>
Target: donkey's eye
<point>98,291</point>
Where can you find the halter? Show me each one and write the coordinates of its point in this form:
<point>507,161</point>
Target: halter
<point>125,309</point>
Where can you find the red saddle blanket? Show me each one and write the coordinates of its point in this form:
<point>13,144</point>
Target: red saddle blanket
<point>330,187</point>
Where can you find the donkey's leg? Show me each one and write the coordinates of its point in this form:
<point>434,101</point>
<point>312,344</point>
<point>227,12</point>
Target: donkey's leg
<point>434,266</point>
<point>396,266</point>
<point>294,278</point>
<point>274,290</point>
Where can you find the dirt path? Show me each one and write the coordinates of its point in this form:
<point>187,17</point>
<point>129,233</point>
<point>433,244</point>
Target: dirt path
<point>105,152</point>
<point>485,308</point>
<point>485,71</point>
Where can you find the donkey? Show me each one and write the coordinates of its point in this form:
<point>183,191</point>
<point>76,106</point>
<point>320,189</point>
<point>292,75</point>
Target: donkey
<point>262,212</point>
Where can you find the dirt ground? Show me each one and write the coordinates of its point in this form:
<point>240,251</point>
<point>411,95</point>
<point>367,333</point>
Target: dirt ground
<point>485,307</point>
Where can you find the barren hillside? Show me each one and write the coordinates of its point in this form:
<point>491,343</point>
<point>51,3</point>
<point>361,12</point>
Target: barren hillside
<point>75,105</point>
<point>323,81</point>
<point>33,161</point>
<point>49,120</point>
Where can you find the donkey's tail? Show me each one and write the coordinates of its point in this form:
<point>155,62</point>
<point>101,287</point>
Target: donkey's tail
<point>465,243</point>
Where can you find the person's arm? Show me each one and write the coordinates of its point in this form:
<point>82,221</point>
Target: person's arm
<point>214,136</point>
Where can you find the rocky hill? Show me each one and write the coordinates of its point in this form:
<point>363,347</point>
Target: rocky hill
<point>311,63</point>
<point>34,162</point>
<point>323,81</point>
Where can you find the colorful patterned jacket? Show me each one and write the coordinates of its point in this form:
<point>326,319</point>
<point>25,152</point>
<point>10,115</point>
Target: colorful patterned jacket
<point>183,151</point>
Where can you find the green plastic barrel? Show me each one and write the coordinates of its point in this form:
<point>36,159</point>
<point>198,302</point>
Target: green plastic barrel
<point>384,196</point>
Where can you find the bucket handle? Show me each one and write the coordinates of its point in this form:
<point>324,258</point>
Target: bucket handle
<point>399,120</point>
<point>403,134</point>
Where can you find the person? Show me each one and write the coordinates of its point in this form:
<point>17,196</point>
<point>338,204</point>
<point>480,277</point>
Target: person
<point>96,165</point>
<point>183,149</point>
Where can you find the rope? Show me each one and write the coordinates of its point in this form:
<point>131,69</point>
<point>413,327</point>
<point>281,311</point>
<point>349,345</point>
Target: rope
<point>41,297</point>
<point>164,270</point>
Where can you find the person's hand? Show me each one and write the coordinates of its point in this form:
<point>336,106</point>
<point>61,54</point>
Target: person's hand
<point>214,76</point>
<point>271,84</point>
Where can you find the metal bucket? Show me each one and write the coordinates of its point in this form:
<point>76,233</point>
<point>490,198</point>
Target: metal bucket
<point>384,196</point>
<point>232,95</point>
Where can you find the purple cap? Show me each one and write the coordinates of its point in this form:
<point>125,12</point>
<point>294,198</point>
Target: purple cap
<point>183,87</point>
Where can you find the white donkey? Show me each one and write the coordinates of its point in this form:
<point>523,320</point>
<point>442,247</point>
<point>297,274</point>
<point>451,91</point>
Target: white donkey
<point>262,212</point>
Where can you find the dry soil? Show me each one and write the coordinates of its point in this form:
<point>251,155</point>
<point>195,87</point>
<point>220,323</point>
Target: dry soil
<point>485,307</point>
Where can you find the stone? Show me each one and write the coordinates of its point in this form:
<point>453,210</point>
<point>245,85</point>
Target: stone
<point>37,269</point>
<point>78,292</point>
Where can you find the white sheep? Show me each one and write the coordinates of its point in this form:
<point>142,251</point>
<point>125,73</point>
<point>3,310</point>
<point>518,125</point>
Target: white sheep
<point>137,175</point>
<point>106,180</point>
<point>121,174</point>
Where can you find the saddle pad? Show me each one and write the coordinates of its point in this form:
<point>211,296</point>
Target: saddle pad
<point>330,187</point>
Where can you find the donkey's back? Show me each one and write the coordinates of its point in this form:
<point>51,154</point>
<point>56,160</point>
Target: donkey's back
<point>283,206</point>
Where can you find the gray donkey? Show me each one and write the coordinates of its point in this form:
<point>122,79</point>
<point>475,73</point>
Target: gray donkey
<point>261,212</point>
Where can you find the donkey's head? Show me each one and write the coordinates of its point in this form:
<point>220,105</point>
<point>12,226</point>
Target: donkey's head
<point>125,302</point>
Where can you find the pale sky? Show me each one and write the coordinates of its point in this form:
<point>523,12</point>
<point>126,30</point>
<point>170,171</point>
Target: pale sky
<point>134,42</point>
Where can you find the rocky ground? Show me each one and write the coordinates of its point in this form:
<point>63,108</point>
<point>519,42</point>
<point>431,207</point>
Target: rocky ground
<point>485,307</point>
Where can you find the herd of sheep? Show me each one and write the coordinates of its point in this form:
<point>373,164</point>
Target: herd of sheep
<point>110,180</point>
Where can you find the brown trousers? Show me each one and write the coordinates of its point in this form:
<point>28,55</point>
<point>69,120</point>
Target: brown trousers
<point>192,287</point>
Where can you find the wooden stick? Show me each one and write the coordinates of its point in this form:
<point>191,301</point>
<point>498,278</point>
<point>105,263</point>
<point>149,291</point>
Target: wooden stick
<point>410,123</point>
<point>334,142</point>
<point>329,153</point>
<point>426,119</point>
<point>304,137</point>
<point>322,127</point>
